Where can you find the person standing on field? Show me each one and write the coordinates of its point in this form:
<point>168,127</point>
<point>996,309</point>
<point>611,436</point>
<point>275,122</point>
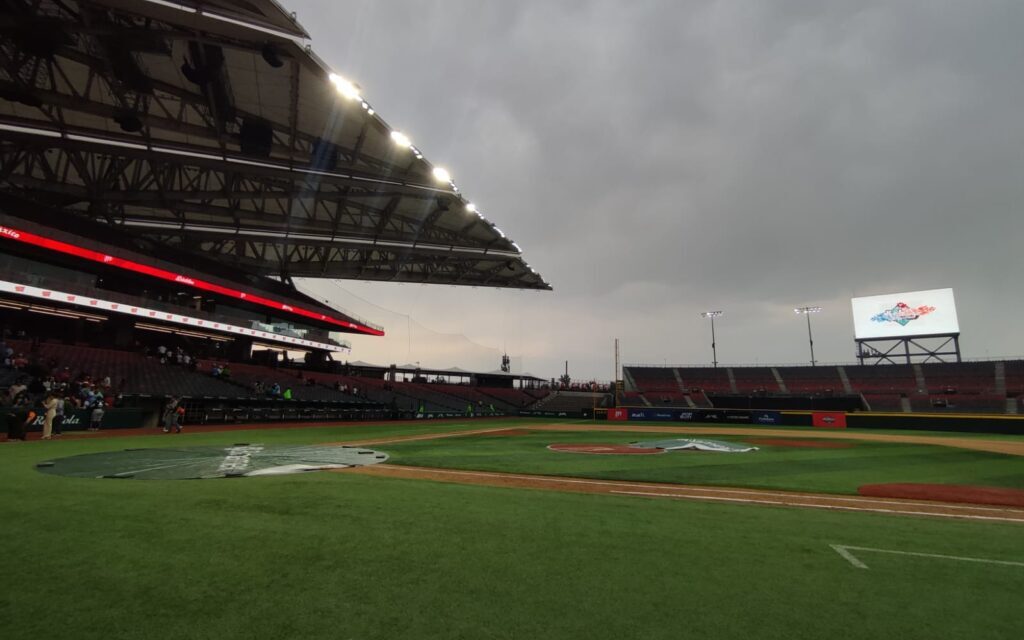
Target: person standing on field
<point>50,406</point>
<point>58,419</point>
<point>96,418</point>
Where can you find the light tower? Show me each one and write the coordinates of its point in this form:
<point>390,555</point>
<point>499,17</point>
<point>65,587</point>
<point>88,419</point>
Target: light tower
<point>714,349</point>
<point>807,311</point>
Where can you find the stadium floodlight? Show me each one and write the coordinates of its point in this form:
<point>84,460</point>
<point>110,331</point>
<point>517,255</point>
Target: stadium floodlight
<point>442,175</point>
<point>401,139</point>
<point>807,311</point>
<point>711,315</point>
<point>470,207</point>
<point>346,88</point>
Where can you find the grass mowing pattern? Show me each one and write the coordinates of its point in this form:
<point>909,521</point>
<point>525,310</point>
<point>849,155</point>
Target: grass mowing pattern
<point>773,467</point>
<point>343,556</point>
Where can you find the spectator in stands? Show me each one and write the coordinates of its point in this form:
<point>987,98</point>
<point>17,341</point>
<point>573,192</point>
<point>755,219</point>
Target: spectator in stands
<point>287,393</point>
<point>275,390</point>
<point>225,372</point>
<point>215,370</point>
<point>16,390</point>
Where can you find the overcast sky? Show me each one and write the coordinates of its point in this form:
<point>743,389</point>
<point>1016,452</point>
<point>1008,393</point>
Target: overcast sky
<point>656,159</point>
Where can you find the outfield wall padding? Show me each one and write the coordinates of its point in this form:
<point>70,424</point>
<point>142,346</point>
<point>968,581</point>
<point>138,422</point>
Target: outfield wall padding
<point>961,423</point>
<point>1011,425</point>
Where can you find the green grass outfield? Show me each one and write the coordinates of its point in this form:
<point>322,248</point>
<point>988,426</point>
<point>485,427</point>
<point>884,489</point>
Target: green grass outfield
<point>772,467</point>
<point>330,555</point>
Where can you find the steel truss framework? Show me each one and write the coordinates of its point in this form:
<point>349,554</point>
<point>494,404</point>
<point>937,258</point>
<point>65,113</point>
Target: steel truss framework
<point>103,120</point>
<point>909,350</point>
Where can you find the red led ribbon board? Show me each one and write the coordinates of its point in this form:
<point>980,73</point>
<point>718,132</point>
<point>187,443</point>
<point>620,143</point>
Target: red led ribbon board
<point>128,265</point>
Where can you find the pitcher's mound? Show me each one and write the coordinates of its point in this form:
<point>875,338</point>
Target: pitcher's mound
<point>607,449</point>
<point>946,493</point>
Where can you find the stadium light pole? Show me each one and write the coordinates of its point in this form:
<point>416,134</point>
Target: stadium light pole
<point>807,311</point>
<point>714,349</point>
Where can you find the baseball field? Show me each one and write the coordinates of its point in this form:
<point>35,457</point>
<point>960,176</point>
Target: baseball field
<point>517,528</point>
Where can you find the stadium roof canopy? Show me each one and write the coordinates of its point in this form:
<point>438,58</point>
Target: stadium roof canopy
<point>210,128</point>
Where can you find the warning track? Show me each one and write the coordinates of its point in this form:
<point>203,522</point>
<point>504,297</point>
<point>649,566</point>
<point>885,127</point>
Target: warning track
<point>700,493</point>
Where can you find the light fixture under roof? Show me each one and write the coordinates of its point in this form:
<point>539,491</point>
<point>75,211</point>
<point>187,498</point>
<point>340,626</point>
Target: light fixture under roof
<point>441,174</point>
<point>346,88</point>
<point>401,139</point>
<point>470,207</point>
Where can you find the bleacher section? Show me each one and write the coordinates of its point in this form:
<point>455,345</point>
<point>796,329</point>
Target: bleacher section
<point>132,373</point>
<point>709,379</point>
<point>574,401</point>
<point>1015,378</point>
<point>655,379</point>
<point>963,377</point>
<point>966,387</point>
<point>513,398</point>
<point>247,375</point>
<point>755,380</point>
<point>812,380</point>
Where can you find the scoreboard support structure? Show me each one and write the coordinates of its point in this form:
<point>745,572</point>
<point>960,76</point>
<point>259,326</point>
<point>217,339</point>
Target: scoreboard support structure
<point>909,349</point>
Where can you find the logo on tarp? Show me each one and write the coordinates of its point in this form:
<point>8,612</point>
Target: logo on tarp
<point>902,314</point>
<point>239,460</point>
<point>695,444</point>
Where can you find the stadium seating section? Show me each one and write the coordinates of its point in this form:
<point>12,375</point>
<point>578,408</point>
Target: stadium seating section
<point>974,387</point>
<point>134,374</point>
<point>573,401</point>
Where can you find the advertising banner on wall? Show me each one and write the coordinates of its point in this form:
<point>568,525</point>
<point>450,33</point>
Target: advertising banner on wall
<point>900,315</point>
<point>722,416</point>
<point>828,419</point>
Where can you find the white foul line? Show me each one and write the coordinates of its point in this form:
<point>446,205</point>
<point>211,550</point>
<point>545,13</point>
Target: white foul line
<point>844,550</point>
<point>832,507</point>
